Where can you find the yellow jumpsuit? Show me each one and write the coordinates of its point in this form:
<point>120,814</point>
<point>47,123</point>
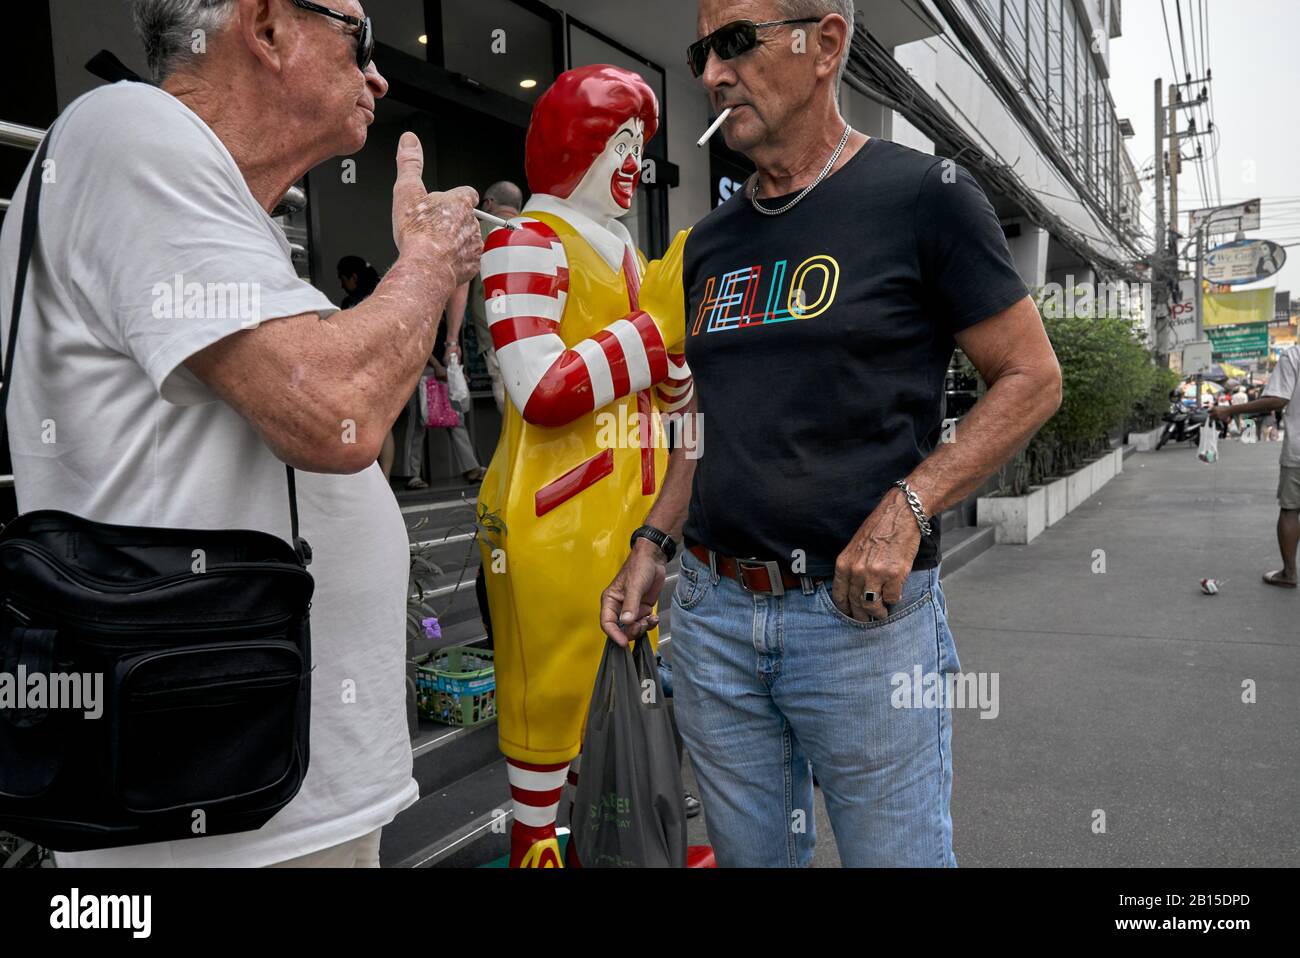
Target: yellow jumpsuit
<point>545,603</point>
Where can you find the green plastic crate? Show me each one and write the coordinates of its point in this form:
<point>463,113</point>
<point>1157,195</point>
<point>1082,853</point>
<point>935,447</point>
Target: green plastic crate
<point>457,686</point>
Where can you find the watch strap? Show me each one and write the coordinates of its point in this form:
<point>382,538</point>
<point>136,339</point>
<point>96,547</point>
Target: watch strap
<point>660,538</point>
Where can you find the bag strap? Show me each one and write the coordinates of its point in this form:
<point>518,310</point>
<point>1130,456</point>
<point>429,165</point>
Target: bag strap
<point>26,249</point>
<point>26,242</point>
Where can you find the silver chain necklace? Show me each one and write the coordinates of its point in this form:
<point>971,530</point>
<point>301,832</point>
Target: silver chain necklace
<point>753,192</point>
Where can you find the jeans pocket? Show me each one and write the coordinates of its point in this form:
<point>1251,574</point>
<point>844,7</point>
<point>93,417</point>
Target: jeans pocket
<point>692,582</point>
<point>897,614</point>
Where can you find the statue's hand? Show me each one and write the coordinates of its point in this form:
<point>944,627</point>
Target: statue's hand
<point>663,297</point>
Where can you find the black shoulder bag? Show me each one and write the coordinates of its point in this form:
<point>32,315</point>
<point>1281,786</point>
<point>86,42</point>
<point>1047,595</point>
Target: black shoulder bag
<point>197,641</point>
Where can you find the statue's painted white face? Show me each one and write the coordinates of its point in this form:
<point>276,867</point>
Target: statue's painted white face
<point>606,190</point>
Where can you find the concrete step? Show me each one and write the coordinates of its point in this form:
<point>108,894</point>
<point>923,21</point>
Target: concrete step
<point>962,545</point>
<point>442,754</point>
<point>464,817</point>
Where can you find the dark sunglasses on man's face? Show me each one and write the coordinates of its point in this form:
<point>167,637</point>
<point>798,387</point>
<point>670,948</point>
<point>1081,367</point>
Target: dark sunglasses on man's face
<point>365,36</point>
<point>731,40</point>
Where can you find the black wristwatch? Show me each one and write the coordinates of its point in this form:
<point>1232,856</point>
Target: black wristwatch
<point>660,538</point>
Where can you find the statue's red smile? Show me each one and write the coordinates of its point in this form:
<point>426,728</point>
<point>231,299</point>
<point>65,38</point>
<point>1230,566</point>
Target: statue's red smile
<point>623,183</point>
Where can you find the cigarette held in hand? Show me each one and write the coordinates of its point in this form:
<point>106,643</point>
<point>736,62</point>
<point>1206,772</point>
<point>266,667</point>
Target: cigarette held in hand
<point>714,128</point>
<point>494,220</point>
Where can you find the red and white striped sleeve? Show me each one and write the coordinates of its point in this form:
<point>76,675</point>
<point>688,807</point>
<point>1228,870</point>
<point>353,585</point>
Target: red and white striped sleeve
<point>526,283</point>
<point>675,392</point>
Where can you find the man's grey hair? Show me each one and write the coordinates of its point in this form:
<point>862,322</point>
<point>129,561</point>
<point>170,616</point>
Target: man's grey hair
<point>167,28</point>
<point>819,8</point>
<point>505,193</point>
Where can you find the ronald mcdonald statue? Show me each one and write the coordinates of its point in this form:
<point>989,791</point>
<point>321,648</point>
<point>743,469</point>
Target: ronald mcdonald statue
<point>589,337</point>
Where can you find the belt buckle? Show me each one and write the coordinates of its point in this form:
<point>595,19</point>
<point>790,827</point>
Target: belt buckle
<point>773,575</point>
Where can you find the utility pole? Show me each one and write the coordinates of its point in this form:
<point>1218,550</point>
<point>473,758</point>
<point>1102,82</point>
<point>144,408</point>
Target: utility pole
<point>1200,277</point>
<point>1175,167</point>
<point>1159,281</point>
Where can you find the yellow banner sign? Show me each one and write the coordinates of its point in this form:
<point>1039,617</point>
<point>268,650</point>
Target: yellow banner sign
<point>1234,309</point>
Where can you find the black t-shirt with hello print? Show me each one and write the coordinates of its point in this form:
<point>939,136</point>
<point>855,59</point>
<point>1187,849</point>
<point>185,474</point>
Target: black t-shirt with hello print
<point>819,341</point>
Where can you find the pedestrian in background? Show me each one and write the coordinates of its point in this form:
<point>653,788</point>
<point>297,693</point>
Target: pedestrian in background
<point>359,279</point>
<point>1282,394</point>
<point>505,200</point>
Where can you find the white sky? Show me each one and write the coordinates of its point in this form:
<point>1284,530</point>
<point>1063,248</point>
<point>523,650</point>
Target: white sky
<point>1256,96</point>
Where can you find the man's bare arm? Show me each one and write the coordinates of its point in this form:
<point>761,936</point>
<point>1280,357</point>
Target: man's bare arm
<point>324,393</point>
<point>1264,404</point>
<point>1014,356</point>
<point>669,511</point>
<point>625,606</point>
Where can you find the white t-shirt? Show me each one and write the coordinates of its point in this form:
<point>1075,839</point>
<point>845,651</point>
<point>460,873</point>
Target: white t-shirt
<point>1285,384</point>
<point>142,192</point>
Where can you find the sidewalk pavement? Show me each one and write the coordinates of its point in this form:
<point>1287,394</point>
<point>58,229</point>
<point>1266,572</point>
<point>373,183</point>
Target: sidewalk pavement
<point>1122,691</point>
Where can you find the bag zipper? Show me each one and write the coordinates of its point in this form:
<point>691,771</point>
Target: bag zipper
<point>96,625</point>
<point>87,580</point>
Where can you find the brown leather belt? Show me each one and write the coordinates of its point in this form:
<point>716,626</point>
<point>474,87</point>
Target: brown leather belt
<point>754,575</point>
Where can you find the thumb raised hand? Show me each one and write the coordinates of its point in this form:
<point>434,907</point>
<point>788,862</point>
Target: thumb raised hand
<point>408,189</point>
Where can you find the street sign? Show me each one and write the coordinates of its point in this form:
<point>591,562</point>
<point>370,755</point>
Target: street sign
<point>1181,327</point>
<point>1236,343</point>
<point>1226,219</point>
<point>1197,357</point>
<point>1243,261</point>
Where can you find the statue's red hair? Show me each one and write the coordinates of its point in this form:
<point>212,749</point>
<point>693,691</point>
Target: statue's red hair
<point>574,119</point>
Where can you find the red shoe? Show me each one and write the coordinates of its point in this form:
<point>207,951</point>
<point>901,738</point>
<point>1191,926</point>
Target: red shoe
<point>700,856</point>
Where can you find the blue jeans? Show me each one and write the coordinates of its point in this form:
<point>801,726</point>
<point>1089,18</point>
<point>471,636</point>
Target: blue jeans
<point>770,689</point>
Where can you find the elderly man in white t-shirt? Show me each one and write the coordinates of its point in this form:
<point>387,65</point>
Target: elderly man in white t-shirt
<point>1282,392</point>
<point>180,410</point>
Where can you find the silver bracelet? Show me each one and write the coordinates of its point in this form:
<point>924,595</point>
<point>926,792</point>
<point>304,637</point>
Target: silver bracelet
<point>918,510</point>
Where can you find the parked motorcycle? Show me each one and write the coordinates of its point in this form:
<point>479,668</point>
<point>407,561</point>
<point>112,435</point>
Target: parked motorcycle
<point>1183,424</point>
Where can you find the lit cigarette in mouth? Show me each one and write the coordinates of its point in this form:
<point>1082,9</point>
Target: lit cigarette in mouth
<point>714,128</point>
<point>494,220</point>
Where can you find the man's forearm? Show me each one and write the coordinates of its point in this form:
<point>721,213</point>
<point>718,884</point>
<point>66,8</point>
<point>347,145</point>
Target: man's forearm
<point>1266,404</point>
<point>669,511</point>
<point>386,340</point>
<point>1000,424</point>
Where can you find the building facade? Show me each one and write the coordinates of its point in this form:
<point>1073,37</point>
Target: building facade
<point>1013,89</point>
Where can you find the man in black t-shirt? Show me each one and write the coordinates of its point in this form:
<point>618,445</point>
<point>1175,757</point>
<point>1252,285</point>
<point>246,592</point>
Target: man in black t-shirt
<point>824,301</point>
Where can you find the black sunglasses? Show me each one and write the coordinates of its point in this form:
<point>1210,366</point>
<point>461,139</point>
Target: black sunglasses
<point>731,40</point>
<point>365,36</point>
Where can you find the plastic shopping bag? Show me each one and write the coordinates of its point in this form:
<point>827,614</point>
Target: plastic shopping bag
<point>1208,451</point>
<point>435,408</point>
<point>1249,434</point>
<point>457,387</point>
<point>629,810</point>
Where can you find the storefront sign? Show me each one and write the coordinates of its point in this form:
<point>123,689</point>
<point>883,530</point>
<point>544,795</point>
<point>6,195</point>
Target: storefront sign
<point>1235,309</point>
<point>1245,261</point>
<point>1237,343</point>
<point>1182,318</point>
